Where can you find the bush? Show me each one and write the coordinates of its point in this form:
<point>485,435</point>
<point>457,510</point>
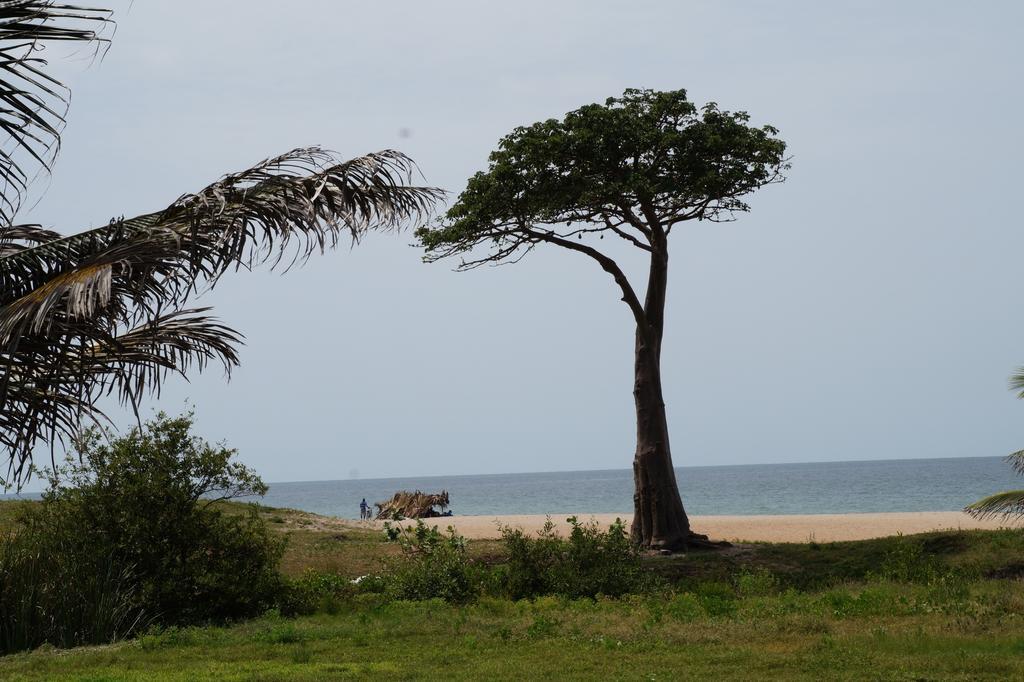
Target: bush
<point>433,565</point>
<point>314,592</point>
<point>144,506</point>
<point>907,562</point>
<point>589,563</point>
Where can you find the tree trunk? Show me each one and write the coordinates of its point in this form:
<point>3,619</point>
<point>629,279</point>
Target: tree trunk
<point>659,520</point>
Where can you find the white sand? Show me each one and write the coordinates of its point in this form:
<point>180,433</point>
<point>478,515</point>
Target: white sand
<point>782,528</point>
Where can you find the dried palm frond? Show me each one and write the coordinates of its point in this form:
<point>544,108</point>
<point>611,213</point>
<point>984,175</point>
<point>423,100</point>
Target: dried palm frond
<point>99,312</point>
<point>32,103</point>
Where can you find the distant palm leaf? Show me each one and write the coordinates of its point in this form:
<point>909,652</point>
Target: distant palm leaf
<point>32,103</point>
<point>1009,504</point>
<point>1016,460</point>
<point>99,312</point>
<point>1017,382</point>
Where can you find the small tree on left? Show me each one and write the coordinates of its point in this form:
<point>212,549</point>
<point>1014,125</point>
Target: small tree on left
<point>147,501</point>
<point>104,311</point>
<point>129,534</point>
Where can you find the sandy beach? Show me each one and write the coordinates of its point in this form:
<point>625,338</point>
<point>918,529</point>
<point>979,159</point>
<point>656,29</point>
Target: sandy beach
<point>783,528</point>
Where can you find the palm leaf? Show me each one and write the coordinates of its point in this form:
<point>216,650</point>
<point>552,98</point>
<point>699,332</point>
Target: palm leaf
<point>32,103</point>
<point>302,202</point>
<point>54,387</point>
<point>1017,382</point>
<point>1008,504</point>
<point>97,312</point>
<point>1016,460</point>
<point>18,237</point>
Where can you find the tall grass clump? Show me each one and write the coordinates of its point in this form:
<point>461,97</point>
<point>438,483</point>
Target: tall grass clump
<point>53,590</point>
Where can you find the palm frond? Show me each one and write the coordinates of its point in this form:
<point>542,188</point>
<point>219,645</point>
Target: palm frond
<point>1016,460</point>
<point>19,237</point>
<point>1017,382</point>
<point>1008,504</point>
<point>98,312</point>
<point>32,103</point>
<point>302,202</point>
<point>53,386</point>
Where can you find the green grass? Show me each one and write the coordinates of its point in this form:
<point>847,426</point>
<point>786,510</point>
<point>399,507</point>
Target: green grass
<point>9,511</point>
<point>792,636</point>
<point>793,611</point>
<point>998,553</point>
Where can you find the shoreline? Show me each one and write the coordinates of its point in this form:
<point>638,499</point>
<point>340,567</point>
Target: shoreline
<point>760,528</point>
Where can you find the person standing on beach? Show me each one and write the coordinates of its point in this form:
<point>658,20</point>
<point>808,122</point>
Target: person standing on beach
<point>364,510</point>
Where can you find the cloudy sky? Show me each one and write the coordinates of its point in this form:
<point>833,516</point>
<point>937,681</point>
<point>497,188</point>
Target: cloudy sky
<point>867,308</point>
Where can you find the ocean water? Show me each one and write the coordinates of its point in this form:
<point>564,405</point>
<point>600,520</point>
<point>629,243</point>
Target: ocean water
<point>815,488</point>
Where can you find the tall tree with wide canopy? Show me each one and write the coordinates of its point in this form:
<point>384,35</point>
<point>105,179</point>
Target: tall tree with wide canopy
<point>104,311</point>
<point>632,169</point>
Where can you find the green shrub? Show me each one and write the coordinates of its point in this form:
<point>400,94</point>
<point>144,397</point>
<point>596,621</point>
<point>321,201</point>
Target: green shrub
<point>147,502</point>
<point>907,562</point>
<point>433,565</point>
<point>314,592</point>
<point>590,562</point>
<point>948,588</point>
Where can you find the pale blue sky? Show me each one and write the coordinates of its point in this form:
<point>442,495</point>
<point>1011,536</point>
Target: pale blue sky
<point>867,308</point>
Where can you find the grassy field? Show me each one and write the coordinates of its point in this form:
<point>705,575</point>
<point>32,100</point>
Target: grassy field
<point>870,633</point>
<point>933,607</point>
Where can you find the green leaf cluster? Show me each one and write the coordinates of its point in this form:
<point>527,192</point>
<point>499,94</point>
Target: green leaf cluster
<point>652,154</point>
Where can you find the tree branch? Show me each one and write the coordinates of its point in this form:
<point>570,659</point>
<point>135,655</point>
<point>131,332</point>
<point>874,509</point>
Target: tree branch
<point>608,265</point>
<point>628,237</point>
<point>630,217</point>
<point>609,226</point>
